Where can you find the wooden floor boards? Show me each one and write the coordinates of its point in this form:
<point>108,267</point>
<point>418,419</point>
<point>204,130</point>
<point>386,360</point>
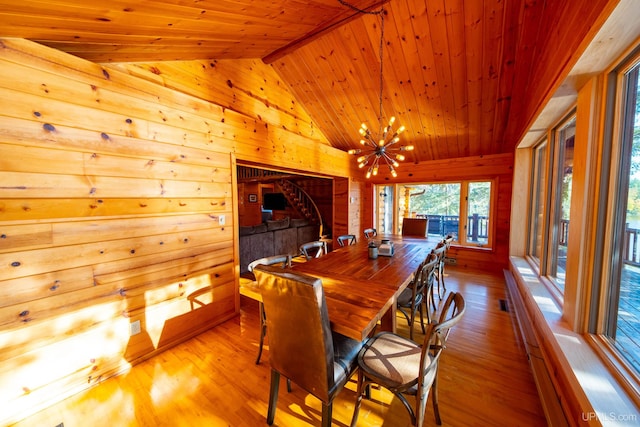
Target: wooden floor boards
<point>212,380</point>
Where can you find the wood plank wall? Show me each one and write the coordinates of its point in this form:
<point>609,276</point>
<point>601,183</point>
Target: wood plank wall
<point>113,182</point>
<point>113,186</point>
<point>349,207</point>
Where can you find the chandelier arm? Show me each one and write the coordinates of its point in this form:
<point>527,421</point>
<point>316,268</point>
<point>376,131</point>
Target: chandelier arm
<point>387,159</point>
<point>366,159</point>
<point>370,140</point>
<point>390,143</point>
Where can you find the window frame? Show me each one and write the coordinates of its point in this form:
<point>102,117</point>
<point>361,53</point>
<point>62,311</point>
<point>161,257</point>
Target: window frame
<point>603,304</point>
<point>539,229</point>
<point>551,197</point>
<point>555,199</point>
<point>604,301</point>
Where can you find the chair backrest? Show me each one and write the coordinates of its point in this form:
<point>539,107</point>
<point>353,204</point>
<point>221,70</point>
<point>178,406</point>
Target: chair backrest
<point>415,226</point>
<point>346,239</point>
<point>447,241</point>
<point>452,311</point>
<point>439,251</point>
<point>300,342</point>
<point>285,260</point>
<point>436,337</point>
<point>313,249</point>
<point>370,232</point>
<point>426,277</point>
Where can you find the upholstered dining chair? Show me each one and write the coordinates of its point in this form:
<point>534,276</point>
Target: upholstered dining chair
<point>313,249</point>
<point>346,239</point>
<point>439,252</point>
<point>284,261</point>
<point>410,300</point>
<point>415,227</point>
<point>302,346</point>
<point>370,233</point>
<point>408,368</point>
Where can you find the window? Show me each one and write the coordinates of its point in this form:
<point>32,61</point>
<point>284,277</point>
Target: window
<point>549,216</point>
<point>563,177</point>
<point>384,209</point>
<point>537,217</point>
<point>477,212</point>
<point>461,209</point>
<point>621,280</point>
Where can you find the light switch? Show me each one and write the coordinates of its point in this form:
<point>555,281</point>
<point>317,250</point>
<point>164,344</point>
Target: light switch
<point>221,219</point>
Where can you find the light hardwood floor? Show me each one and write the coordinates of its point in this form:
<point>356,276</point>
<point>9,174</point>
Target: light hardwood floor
<point>212,380</point>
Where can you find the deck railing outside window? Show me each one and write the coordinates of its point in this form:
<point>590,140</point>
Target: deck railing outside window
<point>631,250</point>
<point>442,225</point>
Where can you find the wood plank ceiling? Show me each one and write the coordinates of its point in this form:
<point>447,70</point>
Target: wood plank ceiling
<point>464,77</point>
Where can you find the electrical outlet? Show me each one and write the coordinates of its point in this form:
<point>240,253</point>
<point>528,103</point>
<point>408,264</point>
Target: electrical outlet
<point>134,328</point>
<point>451,261</point>
<point>221,219</point>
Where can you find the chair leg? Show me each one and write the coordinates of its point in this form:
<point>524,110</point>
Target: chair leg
<point>421,409</point>
<point>327,409</point>
<point>436,410</point>
<point>441,277</point>
<point>422,318</point>
<point>263,331</point>
<point>432,298</point>
<point>273,396</point>
<point>360,391</point>
<point>413,318</point>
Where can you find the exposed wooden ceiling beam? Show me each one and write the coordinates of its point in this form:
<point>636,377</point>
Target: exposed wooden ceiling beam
<point>343,18</point>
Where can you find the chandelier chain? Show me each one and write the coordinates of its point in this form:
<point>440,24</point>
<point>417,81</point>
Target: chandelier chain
<point>357,9</point>
<point>380,51</point>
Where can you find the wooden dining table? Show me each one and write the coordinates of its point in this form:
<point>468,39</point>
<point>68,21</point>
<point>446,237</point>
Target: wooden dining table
<point>359,291</point>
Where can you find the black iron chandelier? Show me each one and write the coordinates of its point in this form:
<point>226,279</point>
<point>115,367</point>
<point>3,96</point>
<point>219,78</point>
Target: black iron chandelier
<point>380,151</point>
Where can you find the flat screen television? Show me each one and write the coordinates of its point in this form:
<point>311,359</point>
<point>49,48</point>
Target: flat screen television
<point>274,202</point>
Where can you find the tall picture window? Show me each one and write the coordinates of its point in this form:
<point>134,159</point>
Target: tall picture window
<point>564,137</point>
<point>621,281</point>
<point>461,209</point>
<point>538,204</point>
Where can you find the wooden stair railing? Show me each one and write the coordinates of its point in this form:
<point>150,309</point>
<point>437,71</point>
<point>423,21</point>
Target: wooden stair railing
<point>301,202</point>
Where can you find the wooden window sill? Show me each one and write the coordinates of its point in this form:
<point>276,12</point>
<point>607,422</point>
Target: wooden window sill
<point>589,391</point>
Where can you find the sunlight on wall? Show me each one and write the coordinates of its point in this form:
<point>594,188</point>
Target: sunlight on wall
<point>162,303</point>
